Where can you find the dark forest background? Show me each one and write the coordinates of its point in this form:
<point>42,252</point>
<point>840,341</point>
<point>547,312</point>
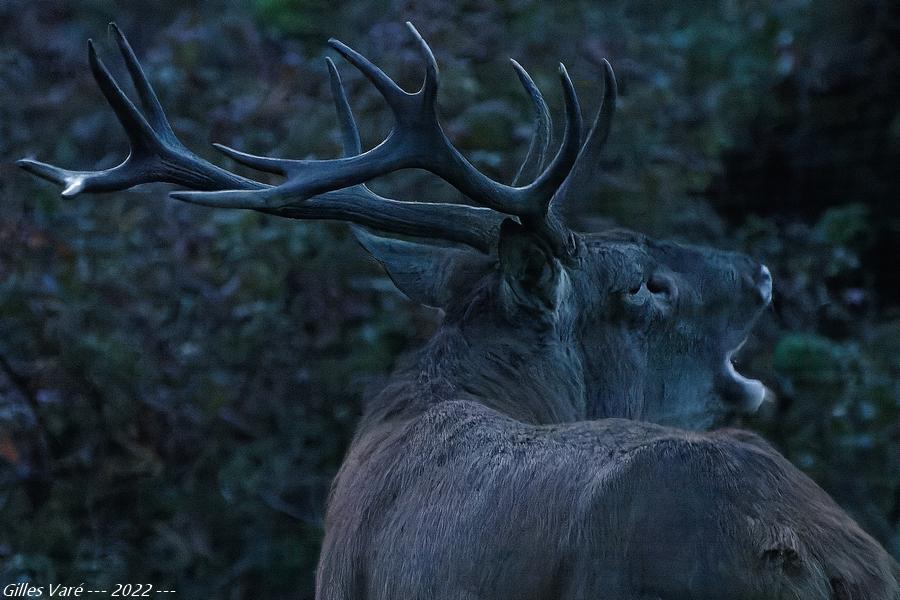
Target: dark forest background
<point>178,384</point>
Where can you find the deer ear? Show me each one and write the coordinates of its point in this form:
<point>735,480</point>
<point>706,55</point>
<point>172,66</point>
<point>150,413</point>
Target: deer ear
<point>530,272</point>
<point>426,273</point>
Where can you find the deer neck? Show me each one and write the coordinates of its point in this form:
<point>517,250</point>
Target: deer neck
<point>529,377</point>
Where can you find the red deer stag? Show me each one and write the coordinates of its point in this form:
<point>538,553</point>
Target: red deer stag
<point>496,463</point>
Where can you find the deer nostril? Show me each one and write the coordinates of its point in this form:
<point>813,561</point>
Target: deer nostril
<point>661,284</point>
<point>763,282</point>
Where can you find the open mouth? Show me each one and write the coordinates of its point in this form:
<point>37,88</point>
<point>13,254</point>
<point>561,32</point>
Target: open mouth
<point>744,393</point>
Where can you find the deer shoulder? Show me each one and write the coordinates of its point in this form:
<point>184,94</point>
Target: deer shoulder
<point>611,508</point>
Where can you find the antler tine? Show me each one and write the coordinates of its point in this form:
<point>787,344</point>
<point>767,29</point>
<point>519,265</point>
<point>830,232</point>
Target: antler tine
<point>155,114</point>
<point>582,176</point>
<point>543,127</point>
<point>428,91</point>
<point>279,166</point>
<point>392,93</point>
<point>266,164</point>
<point>72,181</point>
<point>389,90</point>
<point>556,172</point>
<point>349,131</point>
<point>602,124</point>
<point>139,132</point>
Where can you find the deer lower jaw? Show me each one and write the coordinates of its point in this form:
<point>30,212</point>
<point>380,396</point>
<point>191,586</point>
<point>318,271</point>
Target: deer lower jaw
<point>744,393</point>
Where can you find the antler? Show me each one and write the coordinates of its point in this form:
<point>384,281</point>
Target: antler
<point>332,189</point>
<point>417,141</point>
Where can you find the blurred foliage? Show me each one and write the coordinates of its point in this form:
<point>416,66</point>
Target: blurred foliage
<point>178,385</point>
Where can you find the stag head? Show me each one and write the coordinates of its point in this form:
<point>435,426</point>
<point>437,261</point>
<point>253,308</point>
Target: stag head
<point>638,328</point>
<point>604,325</point>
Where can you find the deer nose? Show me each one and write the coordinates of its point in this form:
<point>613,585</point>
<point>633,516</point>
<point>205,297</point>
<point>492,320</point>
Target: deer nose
<point>763,281</point>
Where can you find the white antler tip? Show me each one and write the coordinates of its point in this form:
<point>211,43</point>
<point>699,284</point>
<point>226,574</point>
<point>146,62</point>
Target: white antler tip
<point>74,187</point>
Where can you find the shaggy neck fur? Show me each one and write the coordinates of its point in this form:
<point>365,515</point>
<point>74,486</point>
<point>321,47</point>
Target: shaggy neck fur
<point>533,377</point>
